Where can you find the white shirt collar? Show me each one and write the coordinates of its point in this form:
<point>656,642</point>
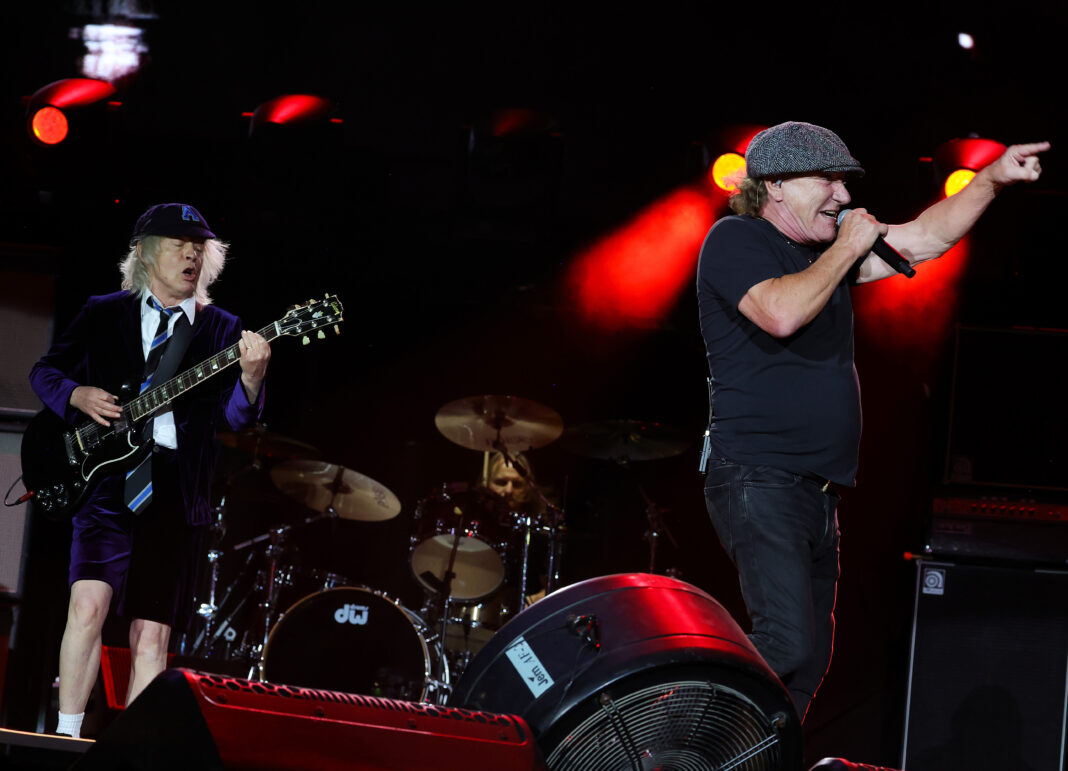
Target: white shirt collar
<point>188,305</point>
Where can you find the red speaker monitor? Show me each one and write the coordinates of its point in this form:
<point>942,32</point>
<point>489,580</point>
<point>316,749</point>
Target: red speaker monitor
<point>187,719</point>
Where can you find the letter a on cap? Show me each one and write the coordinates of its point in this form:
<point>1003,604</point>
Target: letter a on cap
<point>188,215</point>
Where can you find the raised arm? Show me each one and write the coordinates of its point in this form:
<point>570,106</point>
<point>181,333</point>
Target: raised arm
<point>942,225</point>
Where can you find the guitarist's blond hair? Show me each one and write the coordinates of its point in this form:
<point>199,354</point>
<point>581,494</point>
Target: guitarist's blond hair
<point>135,276</point>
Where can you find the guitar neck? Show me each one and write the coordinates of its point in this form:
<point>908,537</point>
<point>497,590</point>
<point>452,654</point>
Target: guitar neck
<point>153,399</point>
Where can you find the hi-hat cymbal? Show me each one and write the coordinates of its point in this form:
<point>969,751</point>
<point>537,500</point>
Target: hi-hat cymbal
<point>322,486</point>
<point>261,443</point>
<point>626,440</point>
<point>488,423</point>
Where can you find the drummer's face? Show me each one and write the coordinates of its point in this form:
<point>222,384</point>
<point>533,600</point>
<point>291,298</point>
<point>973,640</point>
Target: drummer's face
<point>506,482</point>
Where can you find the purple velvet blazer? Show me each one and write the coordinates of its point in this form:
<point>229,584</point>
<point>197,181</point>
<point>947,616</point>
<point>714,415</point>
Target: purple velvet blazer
<point>102,348</point>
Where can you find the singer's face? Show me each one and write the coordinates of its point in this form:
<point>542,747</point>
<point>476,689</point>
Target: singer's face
<point>806,208</point>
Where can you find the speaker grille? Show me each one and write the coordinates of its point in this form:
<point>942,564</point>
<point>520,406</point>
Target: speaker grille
<point>687,724</point>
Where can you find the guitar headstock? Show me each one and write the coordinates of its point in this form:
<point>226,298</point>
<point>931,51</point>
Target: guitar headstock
<point>312,315</point>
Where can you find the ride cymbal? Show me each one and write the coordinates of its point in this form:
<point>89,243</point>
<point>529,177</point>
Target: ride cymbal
<point>323,486</point>
<point>487,423</point>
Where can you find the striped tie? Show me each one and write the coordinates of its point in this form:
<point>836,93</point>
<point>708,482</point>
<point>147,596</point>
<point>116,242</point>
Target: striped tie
<point>138,488</point>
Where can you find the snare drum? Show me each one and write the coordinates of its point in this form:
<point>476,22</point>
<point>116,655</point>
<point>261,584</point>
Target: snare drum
<point>350,639</point>
<point>473,517</point>
<point>473,625</point>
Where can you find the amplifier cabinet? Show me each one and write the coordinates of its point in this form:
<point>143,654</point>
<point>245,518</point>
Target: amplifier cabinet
<point>988,669</point>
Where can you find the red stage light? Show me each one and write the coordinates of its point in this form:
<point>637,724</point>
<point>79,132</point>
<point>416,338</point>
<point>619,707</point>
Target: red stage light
<point>918,313</point>
<point>632,276</point>
<point>47,110</point>
<point>955,158</point>
<point>292,109</point>
<point>49,125</point>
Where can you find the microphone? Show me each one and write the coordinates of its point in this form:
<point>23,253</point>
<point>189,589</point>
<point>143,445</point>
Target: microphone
<point>885,252</point>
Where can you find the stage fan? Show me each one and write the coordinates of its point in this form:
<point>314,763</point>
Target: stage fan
<point>636,671</point>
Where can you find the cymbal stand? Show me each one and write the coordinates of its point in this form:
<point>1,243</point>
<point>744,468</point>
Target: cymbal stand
<point>552,577</point>
<point>441,675</point>
<point>207,610</point>
<point>524,564</point>
<point>657,527</point>
<point>268,601</point>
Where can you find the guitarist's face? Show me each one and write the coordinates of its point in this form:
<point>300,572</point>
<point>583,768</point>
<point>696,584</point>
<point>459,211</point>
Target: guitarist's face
<point>174,275</point>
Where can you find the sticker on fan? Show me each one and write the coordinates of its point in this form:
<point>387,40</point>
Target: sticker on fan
<point>529,667</point>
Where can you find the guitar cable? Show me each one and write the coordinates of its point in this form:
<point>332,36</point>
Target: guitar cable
<point>20,500</point>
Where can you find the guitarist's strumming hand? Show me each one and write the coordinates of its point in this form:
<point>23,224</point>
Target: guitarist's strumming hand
<point>255,353</point>
<point>96,403</point>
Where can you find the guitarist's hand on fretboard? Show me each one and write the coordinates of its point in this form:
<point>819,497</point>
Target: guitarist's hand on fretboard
<point>255,353</point>
<point>96,403</point>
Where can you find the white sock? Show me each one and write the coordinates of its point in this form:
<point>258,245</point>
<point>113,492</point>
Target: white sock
<point>71,725</point>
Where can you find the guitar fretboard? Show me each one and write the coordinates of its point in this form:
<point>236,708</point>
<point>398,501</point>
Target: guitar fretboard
<point>151,400</point>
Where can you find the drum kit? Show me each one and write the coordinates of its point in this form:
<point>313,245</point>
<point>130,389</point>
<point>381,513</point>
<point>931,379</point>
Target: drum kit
<point>480,554</point>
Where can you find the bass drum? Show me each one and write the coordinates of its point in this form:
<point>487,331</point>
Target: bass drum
<point>350,639</point>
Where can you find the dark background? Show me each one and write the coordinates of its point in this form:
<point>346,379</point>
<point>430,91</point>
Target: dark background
<point>451,264</point>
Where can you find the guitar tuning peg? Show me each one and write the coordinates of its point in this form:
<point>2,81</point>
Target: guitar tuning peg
<point>321,335</point>
<point>305,340</point>
<point>337,329</point>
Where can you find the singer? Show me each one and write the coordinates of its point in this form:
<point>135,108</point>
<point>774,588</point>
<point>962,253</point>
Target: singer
<point>773,293</point>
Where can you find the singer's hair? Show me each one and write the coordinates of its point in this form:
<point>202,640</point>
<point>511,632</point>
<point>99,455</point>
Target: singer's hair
<point>749,198</point>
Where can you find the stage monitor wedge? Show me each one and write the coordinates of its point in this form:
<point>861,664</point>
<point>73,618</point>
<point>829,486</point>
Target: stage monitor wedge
<point>193,720</point>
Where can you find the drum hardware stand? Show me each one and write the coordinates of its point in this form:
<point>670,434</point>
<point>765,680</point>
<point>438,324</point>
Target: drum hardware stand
<point>209,637</point>
<point>206,610</point>
<point>268,606</point>
<point>268,601</point>
<point>442,674</point>
<point>657,527</point>
<point>553,567</point>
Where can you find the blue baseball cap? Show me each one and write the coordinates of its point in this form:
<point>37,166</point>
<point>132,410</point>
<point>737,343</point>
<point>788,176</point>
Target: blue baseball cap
<point>177,220</point>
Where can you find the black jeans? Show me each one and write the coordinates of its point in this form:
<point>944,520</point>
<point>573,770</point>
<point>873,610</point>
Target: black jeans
<point>781,531</point>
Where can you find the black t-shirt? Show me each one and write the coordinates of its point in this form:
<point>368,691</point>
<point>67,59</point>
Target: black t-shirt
<point>792,403</point>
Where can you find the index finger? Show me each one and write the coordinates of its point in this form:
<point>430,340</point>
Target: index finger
<point>1032,148</point>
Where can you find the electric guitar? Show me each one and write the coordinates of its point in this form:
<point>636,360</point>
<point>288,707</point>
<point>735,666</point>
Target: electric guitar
<point>60,464</point>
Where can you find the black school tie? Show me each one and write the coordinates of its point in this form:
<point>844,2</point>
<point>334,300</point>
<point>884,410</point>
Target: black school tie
<point>138,488</point>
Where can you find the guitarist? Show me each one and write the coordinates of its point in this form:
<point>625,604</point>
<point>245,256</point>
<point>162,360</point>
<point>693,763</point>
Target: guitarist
<point>142,554</point>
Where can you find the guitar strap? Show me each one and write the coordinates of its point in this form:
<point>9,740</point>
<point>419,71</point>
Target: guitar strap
<point>177,345</point>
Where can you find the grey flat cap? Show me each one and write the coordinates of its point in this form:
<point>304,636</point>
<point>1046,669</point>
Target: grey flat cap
<point>798,148</point>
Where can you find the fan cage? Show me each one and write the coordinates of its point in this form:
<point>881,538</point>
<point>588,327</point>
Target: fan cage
<point>685,725</point>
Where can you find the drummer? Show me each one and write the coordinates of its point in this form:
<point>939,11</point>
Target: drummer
<point>512,479</point>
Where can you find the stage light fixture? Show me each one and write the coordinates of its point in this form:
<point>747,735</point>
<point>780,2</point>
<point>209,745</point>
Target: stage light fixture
<point>730,145</point>
<point>957,161</point>
<point>725,170</point>
<point>292,110</point>
<point>49,110</point>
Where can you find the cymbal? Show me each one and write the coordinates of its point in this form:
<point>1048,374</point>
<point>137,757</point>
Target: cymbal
<point>627,440</point>
<point>261,443</point>
<point>322,486</point>
<point>488,423</point>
